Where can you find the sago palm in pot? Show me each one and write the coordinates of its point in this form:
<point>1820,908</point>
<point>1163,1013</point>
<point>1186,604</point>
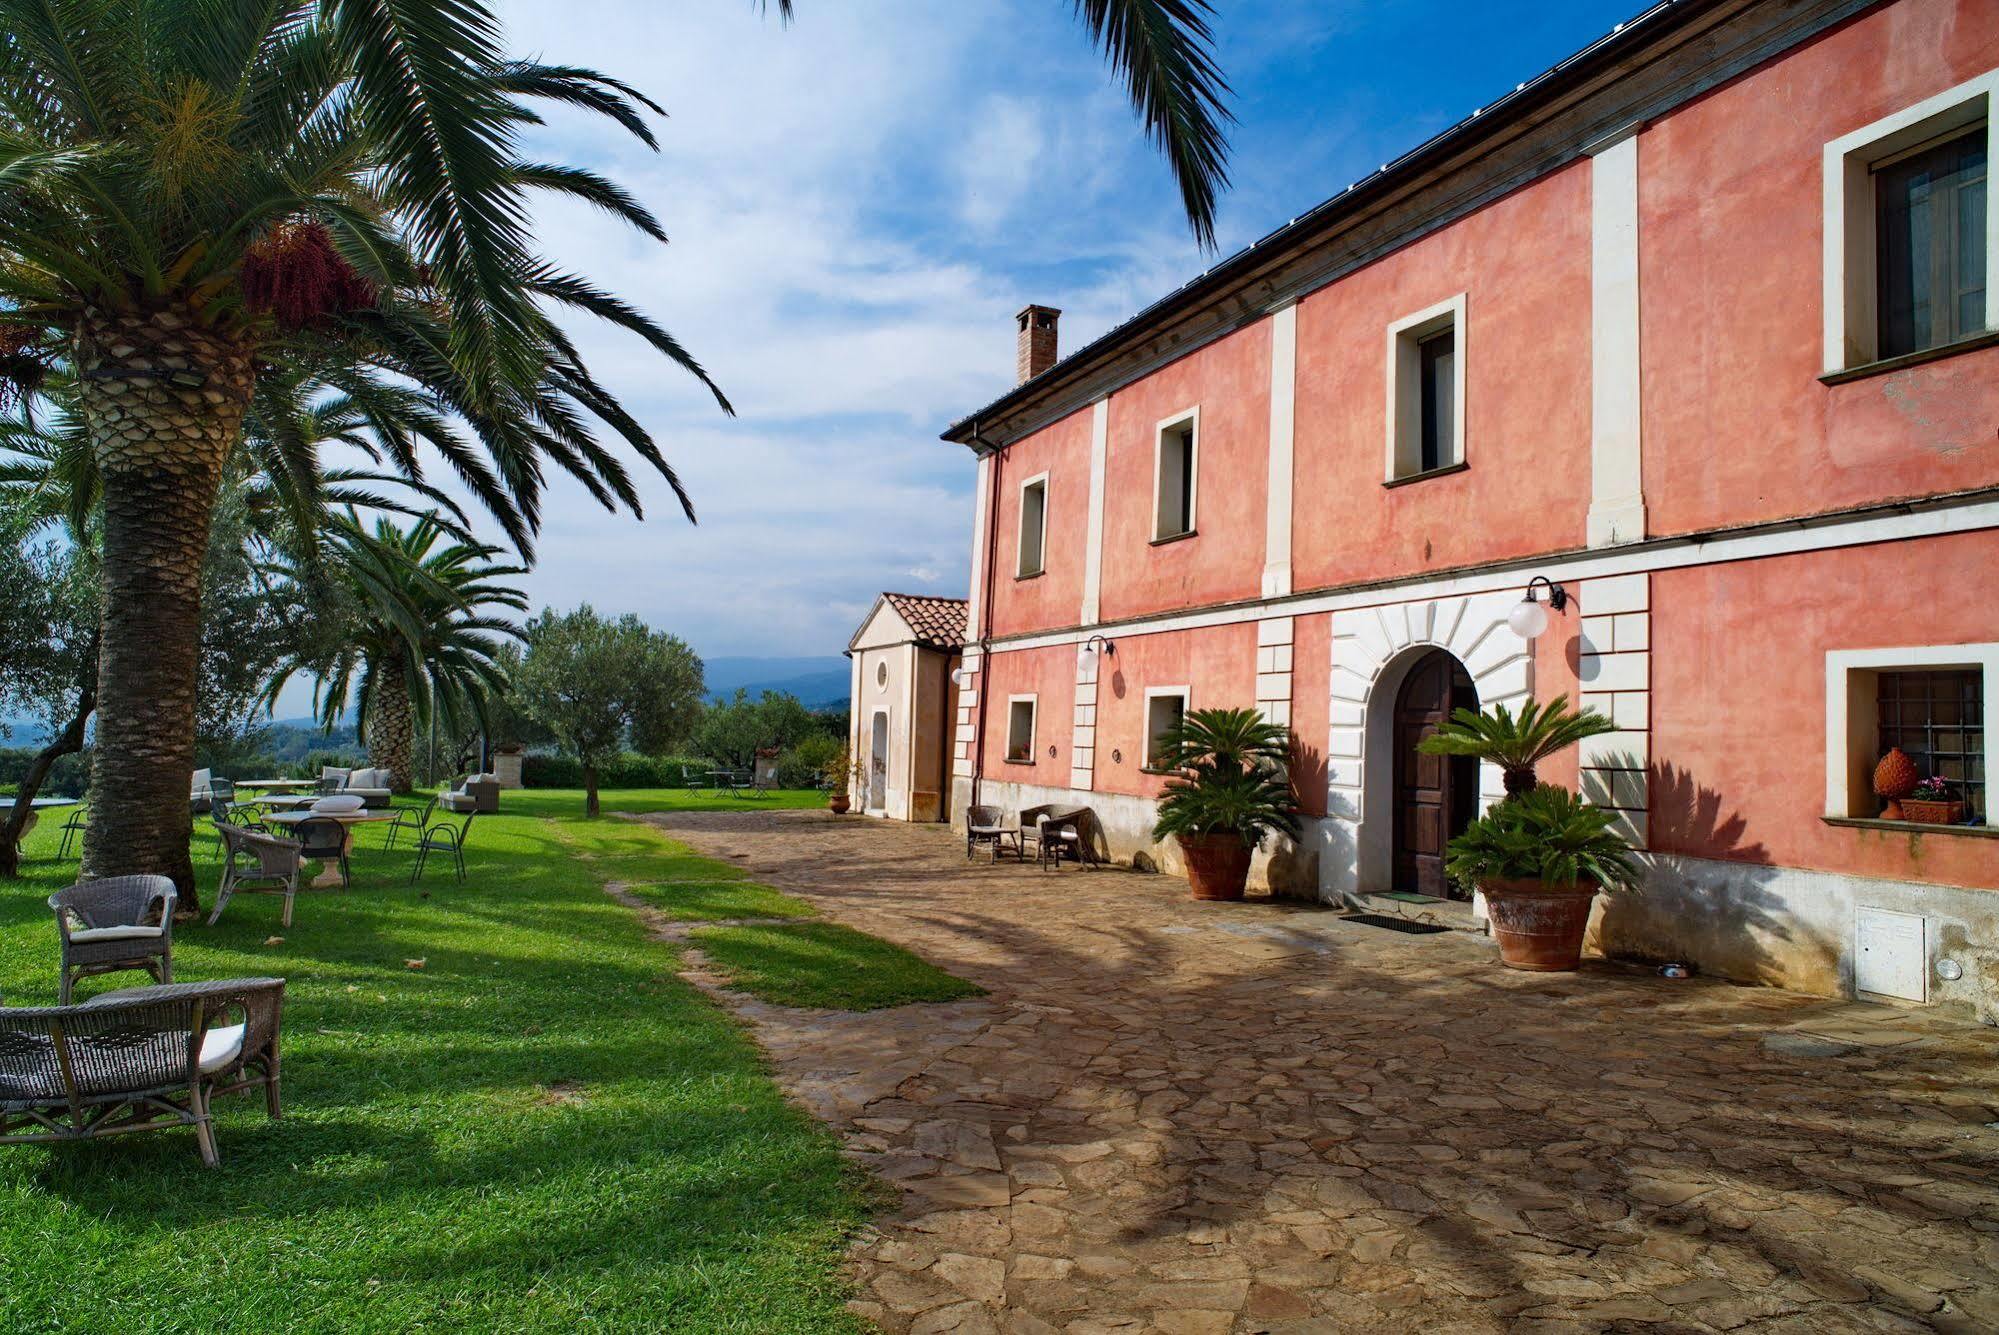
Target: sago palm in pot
<point>1230,790</point>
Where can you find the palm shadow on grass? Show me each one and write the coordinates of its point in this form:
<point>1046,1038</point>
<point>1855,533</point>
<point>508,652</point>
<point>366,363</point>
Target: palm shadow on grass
<point>826,966</point>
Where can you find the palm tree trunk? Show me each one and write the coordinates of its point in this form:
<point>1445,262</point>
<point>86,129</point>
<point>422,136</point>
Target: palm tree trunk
<point>589,790</point>
<point>163,402</point>
<point>392,729</point>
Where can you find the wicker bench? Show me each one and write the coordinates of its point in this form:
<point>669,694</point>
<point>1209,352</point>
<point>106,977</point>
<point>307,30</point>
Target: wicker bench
<point>139,1060</point>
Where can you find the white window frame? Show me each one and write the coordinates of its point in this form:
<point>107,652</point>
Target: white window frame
<point>1852,320</point>
<point>1020,570</point>
<point>1033,703</point>
<point>1852,719</point>
<point>1185,694</point>
<point>1405,388</point>
<point>1190,418</point>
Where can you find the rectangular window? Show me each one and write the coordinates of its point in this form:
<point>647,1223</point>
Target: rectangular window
<point>1908,231</point>
<point>1174,476</point>
<point>1033,526</point>
<point>1020,729</point>
<point>1426,391</point>
<point>1930,230</point>
<point>1165,706</point>
<point>1938,719</point>
<point>1435,356</point>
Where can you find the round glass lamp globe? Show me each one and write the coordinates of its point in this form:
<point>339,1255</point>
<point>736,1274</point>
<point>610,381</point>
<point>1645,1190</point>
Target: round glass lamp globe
<point>1527,619</point>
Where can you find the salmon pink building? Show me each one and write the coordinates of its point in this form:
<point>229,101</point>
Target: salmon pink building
<point>1690,335</point>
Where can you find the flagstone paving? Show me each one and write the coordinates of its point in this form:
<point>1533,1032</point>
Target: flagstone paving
<point>1185,1118</point>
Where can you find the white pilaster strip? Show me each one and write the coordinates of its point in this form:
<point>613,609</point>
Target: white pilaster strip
<point>1083,740</point>
<point>1617,489</point>
<point>1283,421</point>
<point>1093,543</point>
<point>1614,674</point>
<point>981,515</point>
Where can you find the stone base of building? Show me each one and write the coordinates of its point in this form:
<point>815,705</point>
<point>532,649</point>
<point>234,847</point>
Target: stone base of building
<point>1782,927</point>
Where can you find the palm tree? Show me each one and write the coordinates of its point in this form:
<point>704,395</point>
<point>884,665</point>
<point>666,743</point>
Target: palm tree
<point>190,189</point>
<point>1517,744</point>
<point>421,636</point>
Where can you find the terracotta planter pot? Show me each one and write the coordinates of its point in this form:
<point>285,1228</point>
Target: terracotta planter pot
<point>1931,813</point>
<point>1539,926</point>
<point>1217,865</point>
<point>839,804</point>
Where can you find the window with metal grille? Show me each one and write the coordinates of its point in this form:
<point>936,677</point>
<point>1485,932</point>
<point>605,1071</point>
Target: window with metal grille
<point>1938,719</point>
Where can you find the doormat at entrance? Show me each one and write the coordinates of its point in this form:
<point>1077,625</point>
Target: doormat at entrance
<point>1395,924</point>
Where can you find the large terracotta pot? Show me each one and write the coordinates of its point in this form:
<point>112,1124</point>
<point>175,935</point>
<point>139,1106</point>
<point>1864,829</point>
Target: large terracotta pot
<point>839,803</point>
<point>1538,926</point>
<point>1217,864</point>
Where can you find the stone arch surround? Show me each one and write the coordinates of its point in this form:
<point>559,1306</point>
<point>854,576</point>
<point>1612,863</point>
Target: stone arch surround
<point>1372,651</point>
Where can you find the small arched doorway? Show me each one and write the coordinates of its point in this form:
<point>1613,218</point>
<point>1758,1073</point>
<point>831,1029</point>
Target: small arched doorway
<point>1435,797</point>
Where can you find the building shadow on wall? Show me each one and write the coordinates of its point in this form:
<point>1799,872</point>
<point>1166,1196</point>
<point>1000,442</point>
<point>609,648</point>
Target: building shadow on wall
<point>1708,897</point>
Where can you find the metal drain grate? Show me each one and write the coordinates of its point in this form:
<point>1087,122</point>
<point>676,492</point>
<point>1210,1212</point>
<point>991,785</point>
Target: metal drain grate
<point>1395,924</point>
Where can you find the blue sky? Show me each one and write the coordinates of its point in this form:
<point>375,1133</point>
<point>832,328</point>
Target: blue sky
<point>858,204</point>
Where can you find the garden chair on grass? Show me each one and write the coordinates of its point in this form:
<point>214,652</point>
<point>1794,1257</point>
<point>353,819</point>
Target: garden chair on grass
<point>72,831</point>
<point>254,860</point>
<point>413,821</point>
<point>138,1060</point>
<point>445,837</point>
<point>119,923</point>
<point>985,825</point>
<point>323,839</point>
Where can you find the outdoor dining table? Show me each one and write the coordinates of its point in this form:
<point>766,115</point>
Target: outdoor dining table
<point>329,874</point>
<point>279,785</point>
<point>36,806</point>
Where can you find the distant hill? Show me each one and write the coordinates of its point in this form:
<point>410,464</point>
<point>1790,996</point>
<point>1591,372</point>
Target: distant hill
<point>820,680</point>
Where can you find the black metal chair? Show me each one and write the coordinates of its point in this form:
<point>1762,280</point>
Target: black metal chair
<point>323,839</point>
<point>72,830</point>
<point>443,836</point>
<point>115,924</point>
<point>416,822</point>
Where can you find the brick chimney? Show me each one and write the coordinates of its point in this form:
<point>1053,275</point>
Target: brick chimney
<point>1034,349</point>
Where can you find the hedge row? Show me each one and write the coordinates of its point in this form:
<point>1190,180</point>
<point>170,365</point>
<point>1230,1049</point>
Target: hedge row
<point>627,771</point>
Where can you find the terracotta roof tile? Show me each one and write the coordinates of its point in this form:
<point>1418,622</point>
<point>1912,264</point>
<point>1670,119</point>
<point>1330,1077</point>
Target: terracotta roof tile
<point>938,622</point>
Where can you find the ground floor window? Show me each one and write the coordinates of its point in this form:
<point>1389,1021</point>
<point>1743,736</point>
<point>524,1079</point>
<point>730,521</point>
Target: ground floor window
<point>1165,706</point>
<point>1937,718</point>
<point>1020,729</point>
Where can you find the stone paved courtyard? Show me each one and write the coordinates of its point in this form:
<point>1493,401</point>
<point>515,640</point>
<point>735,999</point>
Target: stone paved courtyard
<point>1174,1117</point>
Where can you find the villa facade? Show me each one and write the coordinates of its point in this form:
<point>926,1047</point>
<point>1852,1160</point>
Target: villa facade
<point>1694,328</point>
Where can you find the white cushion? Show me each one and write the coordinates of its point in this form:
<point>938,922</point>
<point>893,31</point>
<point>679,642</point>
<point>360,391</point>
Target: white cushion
<point>456,801</point>
<point>338,803</point>
<point>220,1046</point>
<point>115,933</point>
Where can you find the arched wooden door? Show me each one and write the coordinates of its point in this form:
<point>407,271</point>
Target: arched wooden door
<point>1435,796</point>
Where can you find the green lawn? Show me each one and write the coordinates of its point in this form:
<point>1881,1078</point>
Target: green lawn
<point>542,1129</point>
<point>825,964</point>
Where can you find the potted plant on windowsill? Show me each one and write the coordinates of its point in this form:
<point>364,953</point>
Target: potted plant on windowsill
<point>1932,802</point>
<point>1230,789</point>
<point>1540,858</point>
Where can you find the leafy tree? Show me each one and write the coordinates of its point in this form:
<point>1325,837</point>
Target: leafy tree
<point>596,684</point>
<point>732,731</point>
<point>421,635</point>
<point>48,640</point>
<point>192,188</point>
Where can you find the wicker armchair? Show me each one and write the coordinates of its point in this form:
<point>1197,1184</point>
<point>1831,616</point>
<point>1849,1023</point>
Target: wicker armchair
<point>1059,832</point>
<point>120,923</point>
<point>138,1061</point>
<point>255,860</point>
<point>986,825</point>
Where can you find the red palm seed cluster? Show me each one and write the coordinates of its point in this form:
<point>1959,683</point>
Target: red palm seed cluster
<point>294,273</point>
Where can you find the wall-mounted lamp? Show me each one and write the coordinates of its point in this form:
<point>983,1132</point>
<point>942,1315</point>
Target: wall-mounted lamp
<point>1097,647</point>
<point>964,676</point>
<point>1528,618</point>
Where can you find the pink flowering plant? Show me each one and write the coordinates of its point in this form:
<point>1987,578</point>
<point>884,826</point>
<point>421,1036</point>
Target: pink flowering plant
<point>1936,788</point>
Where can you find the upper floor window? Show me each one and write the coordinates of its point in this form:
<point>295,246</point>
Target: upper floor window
<point>1930,234</point>
<point>1426,388</point>
<point>1175,471</point>
<point>1907,230</point>
<point>1033,543</point>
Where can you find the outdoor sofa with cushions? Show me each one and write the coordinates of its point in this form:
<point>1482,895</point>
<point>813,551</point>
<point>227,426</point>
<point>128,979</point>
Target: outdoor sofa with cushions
<point>140,1060</point>
<point>114,924</point>
<point>204,790</point>
<point>372,786</point>
<point>478,793</point>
